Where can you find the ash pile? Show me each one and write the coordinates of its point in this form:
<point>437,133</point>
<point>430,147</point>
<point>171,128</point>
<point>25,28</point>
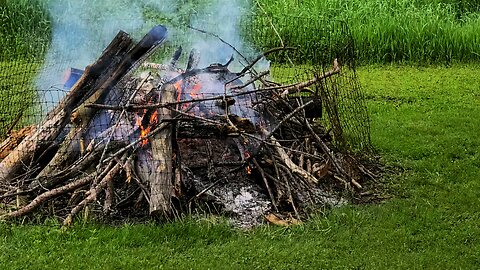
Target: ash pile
<point>136,139</point>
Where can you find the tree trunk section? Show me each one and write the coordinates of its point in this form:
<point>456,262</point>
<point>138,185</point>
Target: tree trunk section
<point>161,184</point>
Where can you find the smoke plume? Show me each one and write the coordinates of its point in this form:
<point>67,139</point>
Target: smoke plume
<point>83,28</point>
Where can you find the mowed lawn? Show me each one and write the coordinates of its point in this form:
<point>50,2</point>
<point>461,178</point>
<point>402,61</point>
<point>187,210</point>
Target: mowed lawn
<point>425,123</point>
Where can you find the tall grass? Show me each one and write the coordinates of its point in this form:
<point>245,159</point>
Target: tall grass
<point>24,29</point>
<point>24,38</point>
<point>421,31</point>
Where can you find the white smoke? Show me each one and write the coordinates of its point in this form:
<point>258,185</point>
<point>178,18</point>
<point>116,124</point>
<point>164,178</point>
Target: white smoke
<point>83,28</point>
<point>221,18</point>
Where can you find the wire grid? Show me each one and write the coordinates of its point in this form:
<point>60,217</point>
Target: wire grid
<point>32,84</point>
<point>24,101</point>
<point>344,106</point>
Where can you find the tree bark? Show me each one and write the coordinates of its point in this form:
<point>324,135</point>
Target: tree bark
<point>161,181</point>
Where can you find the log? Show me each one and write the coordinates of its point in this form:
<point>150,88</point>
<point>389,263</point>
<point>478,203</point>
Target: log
<point>161,180</point>
<point>130,60</point>
<point>81,117</point>
<point>198,129</point>
<point>59,117</point>
<point>193,60</point>
<point>13,139</point>
<point>68,152</point>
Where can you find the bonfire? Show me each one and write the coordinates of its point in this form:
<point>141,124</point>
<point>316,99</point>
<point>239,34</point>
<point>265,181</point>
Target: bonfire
<point>136,138</point>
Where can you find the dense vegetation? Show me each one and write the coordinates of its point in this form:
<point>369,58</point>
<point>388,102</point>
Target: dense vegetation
<point>424,120</point>
<point>418,31</point>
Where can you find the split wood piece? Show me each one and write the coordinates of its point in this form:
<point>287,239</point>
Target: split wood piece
<point>68,152</point>
<point>193,60</point>
<point>275,220</point>
<point>14,139</point>
<point>176,55</point>
<point>161,178</point>
<point>58,118</point>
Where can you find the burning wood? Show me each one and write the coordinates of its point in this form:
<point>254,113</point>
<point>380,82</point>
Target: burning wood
<point>163,143</point>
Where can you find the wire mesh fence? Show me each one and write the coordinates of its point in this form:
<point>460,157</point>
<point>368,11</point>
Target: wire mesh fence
<point>31,85</point>
<point>180,115</point>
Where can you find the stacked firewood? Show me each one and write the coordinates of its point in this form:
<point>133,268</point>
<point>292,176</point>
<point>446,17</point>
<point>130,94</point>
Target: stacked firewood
<point>168,140</point>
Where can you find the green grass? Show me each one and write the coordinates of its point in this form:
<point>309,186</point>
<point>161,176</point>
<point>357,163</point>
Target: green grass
<point>24,29</point>
<point>421,31</point>
<point>423,119</point>
<point>17,93</point>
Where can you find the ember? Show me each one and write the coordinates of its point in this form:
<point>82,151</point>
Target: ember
<point>173,140</point>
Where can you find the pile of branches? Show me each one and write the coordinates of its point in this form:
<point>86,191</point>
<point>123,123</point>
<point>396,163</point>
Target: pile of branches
<point>120,144</point>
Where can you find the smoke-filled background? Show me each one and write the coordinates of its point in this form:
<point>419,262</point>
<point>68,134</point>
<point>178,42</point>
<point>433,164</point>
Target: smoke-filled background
<point>82,29</point>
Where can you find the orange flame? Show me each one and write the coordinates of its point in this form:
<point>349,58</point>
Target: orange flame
<point>178,86</point>
<point>193,94</point>
<point>249,169</point>
<point>147,128</point>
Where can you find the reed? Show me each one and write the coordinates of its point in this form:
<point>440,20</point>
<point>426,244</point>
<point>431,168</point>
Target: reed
<point>421,31</point>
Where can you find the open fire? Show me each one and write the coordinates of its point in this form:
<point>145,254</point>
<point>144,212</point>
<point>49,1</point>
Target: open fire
<point>173,139</point>
<point>146,123</point>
